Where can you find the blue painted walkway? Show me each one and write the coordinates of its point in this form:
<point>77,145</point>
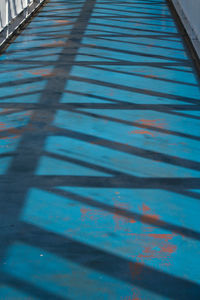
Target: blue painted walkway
<point>100,156</point>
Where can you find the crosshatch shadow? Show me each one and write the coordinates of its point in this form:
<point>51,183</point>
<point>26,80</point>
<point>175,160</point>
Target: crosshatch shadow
<point>99,99</point>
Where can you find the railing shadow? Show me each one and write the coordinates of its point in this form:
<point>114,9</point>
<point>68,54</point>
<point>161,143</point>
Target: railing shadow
<point>100,155</point>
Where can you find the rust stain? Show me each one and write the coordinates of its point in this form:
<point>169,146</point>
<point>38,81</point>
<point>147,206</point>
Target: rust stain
<point>54,44</point>
<point>27,113</point>
<point>42,72</point>
<point>157,123</point>
<point>92,214</point>
<point>121,221</point>
<point>135,269</point>
<point>134,296</point>
<point>169,249</point>
<point>96,142</point>
<point>27,88</point>
<point>61,21</point>
<point>165,236</point>
<point>9,137</point>
<point>152,218</point>
<point>147,253</point>
<point>148,214</point>
<point>13,130</point>
<point>154,245</point>
<point>2,126</point>
<point>130,298</point>
<point>150,76</point>
<point>84,212</point>
<point>145,208</point>
<point>139,131</point>
<point>132,221</point>
<point>47,72</point>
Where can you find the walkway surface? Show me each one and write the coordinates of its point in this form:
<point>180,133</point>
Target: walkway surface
<point>100,163</point>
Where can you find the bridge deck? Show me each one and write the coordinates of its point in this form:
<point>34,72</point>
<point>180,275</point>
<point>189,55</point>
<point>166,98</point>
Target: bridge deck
<point>100,164</point>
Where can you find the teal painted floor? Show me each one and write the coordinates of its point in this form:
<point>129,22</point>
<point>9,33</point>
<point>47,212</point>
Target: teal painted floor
<point>99,156</point>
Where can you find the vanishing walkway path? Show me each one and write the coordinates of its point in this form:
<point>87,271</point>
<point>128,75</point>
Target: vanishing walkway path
<point>100,156</point>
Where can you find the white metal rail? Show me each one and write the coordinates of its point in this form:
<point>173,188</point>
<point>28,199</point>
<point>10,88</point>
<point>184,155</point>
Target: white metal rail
<point>13,13</point>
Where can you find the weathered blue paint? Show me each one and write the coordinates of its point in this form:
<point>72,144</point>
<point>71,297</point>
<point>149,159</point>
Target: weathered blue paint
<point>99,151</point>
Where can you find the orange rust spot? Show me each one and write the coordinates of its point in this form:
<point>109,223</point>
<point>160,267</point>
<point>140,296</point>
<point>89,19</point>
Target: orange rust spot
<point>147,249</point>
<point>134,296</point>
<point>92,214</point>
<point>54,44</point>
<point>145,256</point>
<point>139,131</point>
<point>47,72</point>
<point>61,21</point>
<point>120,221</point>
<point>9,137</point>
<point>84,210</point>
<point>95,142</point>
<point>148,123</point>
<point>132,221</point>
<point>148,253</point>
<point>166,236</point>
<point>145,208</point>
<point>169,249</point>
<point>158,123</point>
<point>150,217</point>
<point>130,298</point>
<point>133,234</point>
<point>154,217</point>
<point>43,72</point>
<point>28,113</point>
<point>150,76</point>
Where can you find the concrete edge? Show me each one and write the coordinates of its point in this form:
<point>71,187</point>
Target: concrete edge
<point>190,31</point>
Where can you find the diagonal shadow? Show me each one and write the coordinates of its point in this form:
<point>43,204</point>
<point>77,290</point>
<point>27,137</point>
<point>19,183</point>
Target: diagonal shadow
<point>110,264</point>
<point>31,148</point>
<point>128,214</point>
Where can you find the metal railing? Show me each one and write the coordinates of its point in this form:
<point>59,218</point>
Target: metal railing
<point>13,13</point>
